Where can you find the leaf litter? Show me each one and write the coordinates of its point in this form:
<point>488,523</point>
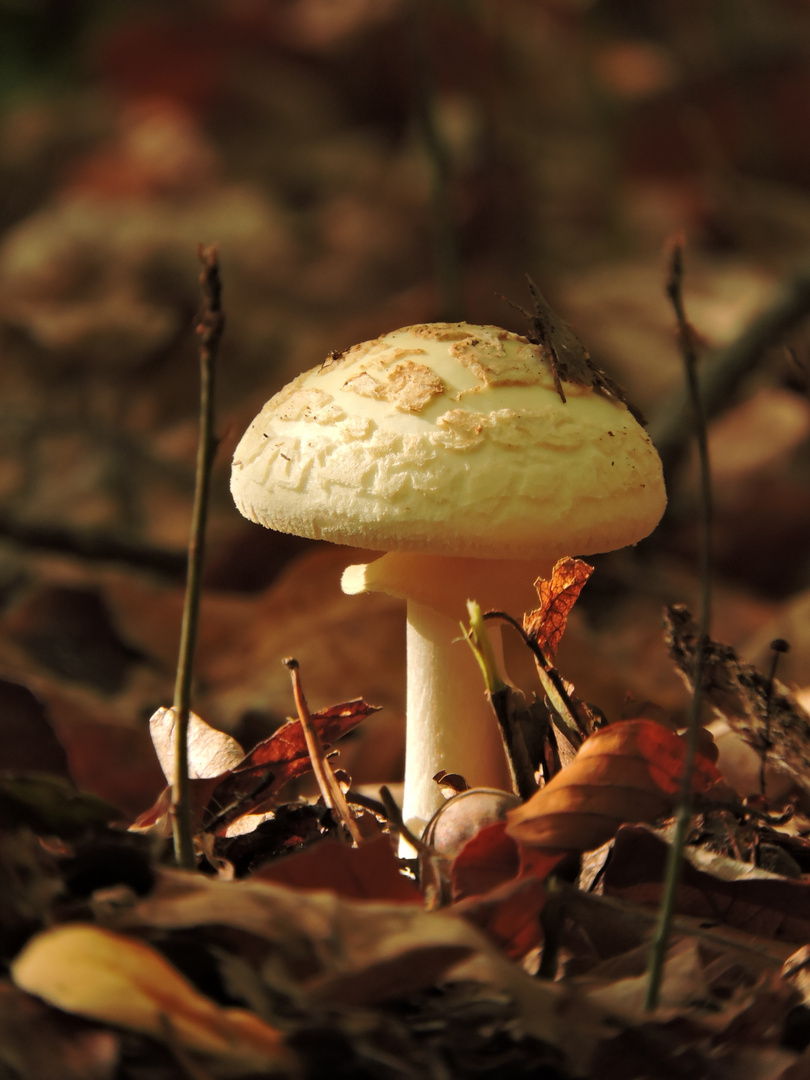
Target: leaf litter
<point>524,949</point>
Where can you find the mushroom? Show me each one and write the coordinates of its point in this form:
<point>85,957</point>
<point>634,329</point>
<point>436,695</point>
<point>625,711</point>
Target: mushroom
<point>475,459</point>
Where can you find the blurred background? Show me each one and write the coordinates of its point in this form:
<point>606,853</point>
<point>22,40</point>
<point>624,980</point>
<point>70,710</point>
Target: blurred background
<point>363,165</point>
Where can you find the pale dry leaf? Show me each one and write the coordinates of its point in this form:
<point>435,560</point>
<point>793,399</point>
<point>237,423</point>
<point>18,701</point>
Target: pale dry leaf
<point>210,752</point>
<point>105,976</point>
<point>682,984</point>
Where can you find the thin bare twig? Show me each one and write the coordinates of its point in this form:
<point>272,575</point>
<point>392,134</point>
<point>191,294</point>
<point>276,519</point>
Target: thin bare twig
<point>327,781</point>
<point>778,646</point>
<point>445,239</point>
<point>397,823</point>
<point>209,332</point>
<point>675,855</point>
<point>721,377</point>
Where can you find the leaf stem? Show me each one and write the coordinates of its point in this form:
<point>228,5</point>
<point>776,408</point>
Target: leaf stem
<point>209,332</point>
<point>674,866</point>
<point>500,694</point>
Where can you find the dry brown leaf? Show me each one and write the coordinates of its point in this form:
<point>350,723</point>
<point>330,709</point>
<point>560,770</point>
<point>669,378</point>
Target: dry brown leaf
<point>683,983</point>
<point>357,952</point>
<point>39,1043</point>
<point>368,872</point>
<point>630,771</point>
<point>254,785</point>
<point>770,907</point>
<point>226,784</point>
<point>330,943</point>
<point>509,915</point>
<point>95,973</point>
<point>558,595</point>
<point>764,714</point>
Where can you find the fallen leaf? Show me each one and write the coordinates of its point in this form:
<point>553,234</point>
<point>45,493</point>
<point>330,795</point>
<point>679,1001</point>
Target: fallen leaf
<point>254,785</point>
<point>210,752</point>
<point>157,820</point>
<point>629,771</point>
<point>682,983</point>
<point>348,952</point>
<point>340,950</point>
<point>509,915</point>
<point>765,714</point>
<point>762,904</point>
<point>486,861</point>
<point>558,595</point>
<point>41,1044</point>
<point>288,741</point>
<point>105,976</point>
<point>368,872</point>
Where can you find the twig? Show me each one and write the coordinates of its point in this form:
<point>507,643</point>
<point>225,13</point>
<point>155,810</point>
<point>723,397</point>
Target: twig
<point>445,241</point>
<point>720,378</point>
<point>395,820</point>
<point>500,693</point>
<point>330,788</point>
<point>675,855</point>
<point>778,646</point>
<point>209,332</point>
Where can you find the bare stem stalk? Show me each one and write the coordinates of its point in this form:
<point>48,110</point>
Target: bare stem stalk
<point>674,866</point>
<point>209,332</point>
<point>327,781</point>
<point>500,695</point>
<point>445,240</point>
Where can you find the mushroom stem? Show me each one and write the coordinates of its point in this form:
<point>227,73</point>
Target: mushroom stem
<point>450,723</point>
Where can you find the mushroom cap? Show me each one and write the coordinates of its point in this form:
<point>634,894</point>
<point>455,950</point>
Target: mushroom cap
<point>449,438</point>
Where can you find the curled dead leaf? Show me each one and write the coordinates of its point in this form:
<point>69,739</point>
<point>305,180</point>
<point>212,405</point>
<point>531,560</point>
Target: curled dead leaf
<point>630,771</point>
<point>546,625</point>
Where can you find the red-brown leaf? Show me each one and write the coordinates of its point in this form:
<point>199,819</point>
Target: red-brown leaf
<point>508,915</point>
<point>486,861</point>
<point>630,771</point>
<point>288,744</point>
<point>546,625</point>
<point>254,785</point>
<point>369,872</point>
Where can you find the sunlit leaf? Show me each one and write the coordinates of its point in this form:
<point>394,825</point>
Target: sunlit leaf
<point>288,743</point>
<point>210,752</point>
<point>114,979</point>
<point>630,771</point>
<point>255,784</point>
<point>546,625</point>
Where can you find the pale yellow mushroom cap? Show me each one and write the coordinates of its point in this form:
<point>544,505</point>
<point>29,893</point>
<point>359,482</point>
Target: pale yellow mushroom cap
<point>451,439</point>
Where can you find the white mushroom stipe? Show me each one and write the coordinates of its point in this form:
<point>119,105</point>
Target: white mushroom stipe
<point>450,723</point>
